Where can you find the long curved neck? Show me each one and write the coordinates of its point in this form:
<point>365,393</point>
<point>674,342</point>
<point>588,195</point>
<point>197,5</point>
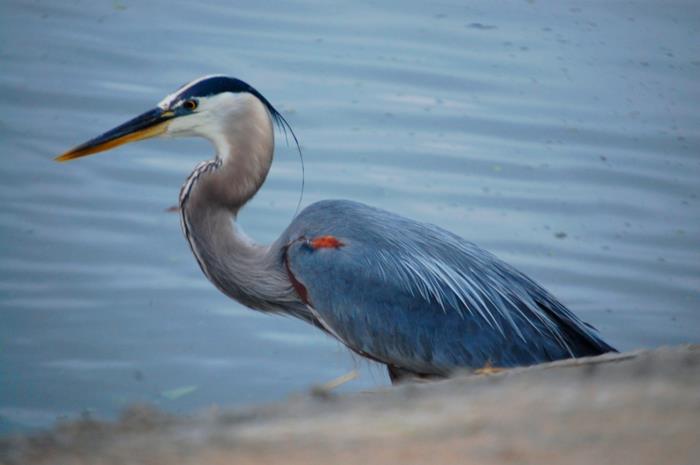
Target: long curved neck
<point>210,200</point>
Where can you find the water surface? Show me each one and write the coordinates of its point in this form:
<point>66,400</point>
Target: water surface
<point>563,136</point>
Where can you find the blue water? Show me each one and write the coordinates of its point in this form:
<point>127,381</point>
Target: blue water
<point>562,136</point>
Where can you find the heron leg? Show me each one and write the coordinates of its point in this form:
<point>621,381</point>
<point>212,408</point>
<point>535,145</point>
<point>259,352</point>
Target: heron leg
<point>399,375</point>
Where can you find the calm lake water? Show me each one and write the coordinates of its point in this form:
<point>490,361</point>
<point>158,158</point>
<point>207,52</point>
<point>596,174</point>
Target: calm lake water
<point>562,136</point>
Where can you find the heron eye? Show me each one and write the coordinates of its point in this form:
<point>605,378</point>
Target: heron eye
<point>190,104</point>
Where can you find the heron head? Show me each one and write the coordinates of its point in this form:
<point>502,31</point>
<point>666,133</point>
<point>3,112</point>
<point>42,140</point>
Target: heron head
<point>200,108</point>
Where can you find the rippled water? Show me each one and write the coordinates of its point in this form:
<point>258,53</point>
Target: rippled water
<point>563,136</point>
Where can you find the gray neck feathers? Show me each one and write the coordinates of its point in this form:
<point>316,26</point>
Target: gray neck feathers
<point>210,200</point>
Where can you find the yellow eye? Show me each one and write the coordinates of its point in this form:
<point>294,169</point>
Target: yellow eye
<point>190,104</point>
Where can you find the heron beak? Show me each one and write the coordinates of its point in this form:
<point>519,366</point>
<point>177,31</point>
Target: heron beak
<point>150,124</point>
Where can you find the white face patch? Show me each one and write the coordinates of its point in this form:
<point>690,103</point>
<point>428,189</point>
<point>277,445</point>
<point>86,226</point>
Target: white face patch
<point>228,120</point>
<point>209,117</point>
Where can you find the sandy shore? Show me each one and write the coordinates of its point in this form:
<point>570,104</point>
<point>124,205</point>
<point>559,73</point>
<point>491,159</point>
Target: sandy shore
<point>634,408</point>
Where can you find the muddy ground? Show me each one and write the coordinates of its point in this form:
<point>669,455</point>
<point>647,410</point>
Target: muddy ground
<point>636,408</point>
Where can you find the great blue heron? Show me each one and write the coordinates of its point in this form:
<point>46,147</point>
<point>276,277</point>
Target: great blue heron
<point>410,295</point>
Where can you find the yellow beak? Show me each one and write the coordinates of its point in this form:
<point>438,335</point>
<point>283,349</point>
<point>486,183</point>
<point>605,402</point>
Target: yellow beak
<point>149,124</point>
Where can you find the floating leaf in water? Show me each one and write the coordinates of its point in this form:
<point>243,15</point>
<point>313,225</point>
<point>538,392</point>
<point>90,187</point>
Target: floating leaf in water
<point>173,394</point>
<point>482,27</point>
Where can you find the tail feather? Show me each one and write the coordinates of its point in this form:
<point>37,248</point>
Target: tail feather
<point>581,337</point>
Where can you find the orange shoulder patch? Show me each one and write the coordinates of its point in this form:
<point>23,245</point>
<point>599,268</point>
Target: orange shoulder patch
<point>326,242</point>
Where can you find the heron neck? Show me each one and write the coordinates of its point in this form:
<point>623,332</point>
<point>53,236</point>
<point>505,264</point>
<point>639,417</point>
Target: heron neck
<point>210,200</point>
<point>245,271</point>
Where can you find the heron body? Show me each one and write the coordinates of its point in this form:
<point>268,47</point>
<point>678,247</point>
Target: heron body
<point>407,294</point>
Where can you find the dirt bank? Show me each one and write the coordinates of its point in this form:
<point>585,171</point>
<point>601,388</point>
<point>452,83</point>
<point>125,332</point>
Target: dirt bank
<point>636,408</point>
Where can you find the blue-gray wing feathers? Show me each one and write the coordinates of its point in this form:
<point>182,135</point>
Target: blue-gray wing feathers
<point>420,298</point>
